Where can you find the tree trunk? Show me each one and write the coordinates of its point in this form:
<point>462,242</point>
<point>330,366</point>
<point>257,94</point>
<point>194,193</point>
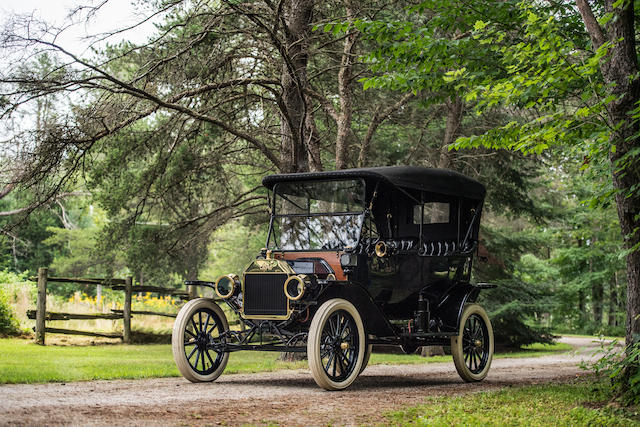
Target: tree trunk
<point>581,305</point>
<point>192,274</point>
<point>622,301</point>
<point>597,295</point>
<point>619,69</point>
<point>629,213</point>
<point>451,131</point>
<point>313,140</point>
<point>345,91</point>
<point>613,301</point>
<point>300,149</point>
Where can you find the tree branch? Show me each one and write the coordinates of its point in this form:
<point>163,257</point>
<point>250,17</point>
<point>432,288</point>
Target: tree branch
<point>35,205</point>
<point>378,118</point>
<point>169,104</point>
<point>324,103</point>
<point>591,23</point>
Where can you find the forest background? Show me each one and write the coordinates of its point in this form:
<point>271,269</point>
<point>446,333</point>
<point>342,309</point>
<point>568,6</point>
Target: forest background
<point>145,158</point>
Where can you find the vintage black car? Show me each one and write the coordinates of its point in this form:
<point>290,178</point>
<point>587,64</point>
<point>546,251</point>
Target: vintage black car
<point>353,258</point>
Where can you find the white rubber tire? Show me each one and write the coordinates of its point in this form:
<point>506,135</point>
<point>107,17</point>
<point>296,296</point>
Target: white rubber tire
<point>177,339</point>
<point>314,342</point>
<point>456,345</point>
<point>367,355</point>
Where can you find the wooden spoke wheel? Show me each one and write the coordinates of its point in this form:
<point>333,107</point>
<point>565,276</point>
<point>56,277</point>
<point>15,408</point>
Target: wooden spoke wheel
<point>472,349</point>
<point>197,340</point>
<point>336,345</point>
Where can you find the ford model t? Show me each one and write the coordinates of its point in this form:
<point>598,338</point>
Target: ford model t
<point>353,258</point>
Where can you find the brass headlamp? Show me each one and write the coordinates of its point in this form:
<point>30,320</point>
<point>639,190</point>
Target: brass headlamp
<point>226,285</point>
<point>295,286</point>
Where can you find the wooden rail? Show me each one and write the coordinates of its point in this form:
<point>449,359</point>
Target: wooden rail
<point>32,314</point>
<point>41,315</point>
<point>84,281</point>
<point>86,333</point>
<point>155,289</point>
<point>147,313</point>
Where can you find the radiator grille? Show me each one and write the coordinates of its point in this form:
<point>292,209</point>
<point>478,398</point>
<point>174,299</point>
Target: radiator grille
<point>264,295</point>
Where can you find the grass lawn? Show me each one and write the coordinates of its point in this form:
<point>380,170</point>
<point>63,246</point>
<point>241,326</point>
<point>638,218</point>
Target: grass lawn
<point>22,361</point>
<point>580,403</point>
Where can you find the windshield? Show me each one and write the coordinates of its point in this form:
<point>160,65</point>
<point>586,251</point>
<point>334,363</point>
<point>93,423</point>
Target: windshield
<point>317,215</point>
<point>317,197</point>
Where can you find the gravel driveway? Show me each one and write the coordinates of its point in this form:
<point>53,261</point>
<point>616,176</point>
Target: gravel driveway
<point>283,397</point>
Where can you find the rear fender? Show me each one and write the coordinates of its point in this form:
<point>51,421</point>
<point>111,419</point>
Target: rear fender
<point>449,311</point>
<point>375,322</point>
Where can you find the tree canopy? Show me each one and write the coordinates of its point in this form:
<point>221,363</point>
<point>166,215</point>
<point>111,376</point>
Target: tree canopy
<point>168,139</point>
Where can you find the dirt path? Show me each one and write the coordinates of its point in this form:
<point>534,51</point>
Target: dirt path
<point>283,397</point>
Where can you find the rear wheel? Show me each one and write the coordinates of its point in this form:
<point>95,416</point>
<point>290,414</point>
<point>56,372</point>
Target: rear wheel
<point>336,345</point>
<point>198,335</point>
<point>472,348</point>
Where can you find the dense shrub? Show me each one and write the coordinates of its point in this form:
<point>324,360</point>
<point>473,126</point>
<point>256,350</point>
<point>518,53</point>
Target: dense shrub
<point>512,307</point>
<point>10,285</point>
<point>9,324</point>
<point>523,291</point>
<point>622,368</point>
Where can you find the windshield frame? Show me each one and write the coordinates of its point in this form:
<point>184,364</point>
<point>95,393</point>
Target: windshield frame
<point>272,207</point>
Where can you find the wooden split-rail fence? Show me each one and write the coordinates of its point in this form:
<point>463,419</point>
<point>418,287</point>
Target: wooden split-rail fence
<point>41,315</point>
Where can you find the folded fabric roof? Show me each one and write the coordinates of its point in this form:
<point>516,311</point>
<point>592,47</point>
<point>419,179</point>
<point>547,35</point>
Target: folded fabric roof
<point>441,181</point>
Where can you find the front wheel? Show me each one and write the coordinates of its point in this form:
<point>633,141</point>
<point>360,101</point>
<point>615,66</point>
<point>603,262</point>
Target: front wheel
<point>367,355</point>
<point>336,345</point>
<point>472,348</point>
<point>199,333</point>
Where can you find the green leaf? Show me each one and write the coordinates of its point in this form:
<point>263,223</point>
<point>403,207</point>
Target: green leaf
<point>583,112</point>
<point>479,25</point>
<point>605,18</point>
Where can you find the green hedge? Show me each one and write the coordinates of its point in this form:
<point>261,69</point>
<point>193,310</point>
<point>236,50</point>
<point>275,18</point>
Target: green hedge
<point>9,324</point>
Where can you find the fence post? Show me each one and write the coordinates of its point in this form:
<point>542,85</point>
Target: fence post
<point>193,291</point>
<point>126,315</point>
<point>41,305</point>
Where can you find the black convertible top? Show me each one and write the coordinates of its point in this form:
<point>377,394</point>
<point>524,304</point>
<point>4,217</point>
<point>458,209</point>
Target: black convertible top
<point>441,181</point>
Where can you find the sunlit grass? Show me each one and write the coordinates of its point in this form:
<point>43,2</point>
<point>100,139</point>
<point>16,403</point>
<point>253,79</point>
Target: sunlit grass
<point>575,404</point>
<point>22,361</point>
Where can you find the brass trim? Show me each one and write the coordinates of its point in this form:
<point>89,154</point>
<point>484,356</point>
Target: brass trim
<point>283,268</point>
<point>234,279</point>
<point>268,265</point>
<point>331,277</point>
<point>300,280</point>
<point>381,249</point>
